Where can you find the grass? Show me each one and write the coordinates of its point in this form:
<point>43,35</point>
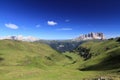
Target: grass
<point>37,61</point>
<point>106,57</point>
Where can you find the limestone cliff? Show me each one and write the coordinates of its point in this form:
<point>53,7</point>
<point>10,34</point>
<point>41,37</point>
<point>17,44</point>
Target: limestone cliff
<point>91,36</point>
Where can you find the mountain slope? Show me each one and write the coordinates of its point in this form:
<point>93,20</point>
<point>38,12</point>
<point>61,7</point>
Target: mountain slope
<point>104,55</point>
<point>37,61</point>
<point>26,53</point>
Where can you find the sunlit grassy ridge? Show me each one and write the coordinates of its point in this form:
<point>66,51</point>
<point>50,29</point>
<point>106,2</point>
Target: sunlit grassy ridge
<point>97,48</point>
<point>26,53</point>
<point>105,56</point>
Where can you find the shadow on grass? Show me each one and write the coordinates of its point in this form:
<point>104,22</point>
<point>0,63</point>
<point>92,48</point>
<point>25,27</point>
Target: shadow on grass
<point>68,57</point>
<point>1,59</point>
<point>109,63</point>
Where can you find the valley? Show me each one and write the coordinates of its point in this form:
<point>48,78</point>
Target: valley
<point>21,60</point>
<point>59,39</point>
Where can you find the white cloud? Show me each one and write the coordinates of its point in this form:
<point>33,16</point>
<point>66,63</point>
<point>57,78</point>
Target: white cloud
<point>65,29</point>
<point>37,26</point>
<point>52,23</point>
<point>11,26</point>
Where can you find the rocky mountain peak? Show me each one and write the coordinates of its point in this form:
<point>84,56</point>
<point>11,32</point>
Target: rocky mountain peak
<point>90,36</point>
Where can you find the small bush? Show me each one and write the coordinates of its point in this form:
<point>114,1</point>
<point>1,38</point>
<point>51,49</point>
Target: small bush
<point>111,39</point>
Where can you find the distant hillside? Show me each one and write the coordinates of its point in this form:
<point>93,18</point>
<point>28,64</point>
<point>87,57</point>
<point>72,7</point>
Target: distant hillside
<point>62,45</point>
<point>71,44</point>
<point>65,45</point>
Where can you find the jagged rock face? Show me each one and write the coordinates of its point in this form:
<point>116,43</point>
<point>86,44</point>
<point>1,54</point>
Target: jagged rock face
<point>91,36</point>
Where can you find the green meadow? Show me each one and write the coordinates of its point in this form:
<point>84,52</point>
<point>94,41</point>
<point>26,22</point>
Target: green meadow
<point>37,61</point>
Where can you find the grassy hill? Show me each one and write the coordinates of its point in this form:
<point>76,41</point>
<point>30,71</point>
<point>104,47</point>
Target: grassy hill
<point>37,61</point>
<point>33,61</point>
<point>104,56</point>
<point>26,53</point>
<point>19,59</point>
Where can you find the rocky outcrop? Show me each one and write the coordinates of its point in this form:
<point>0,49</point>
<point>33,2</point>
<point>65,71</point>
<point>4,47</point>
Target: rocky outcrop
<point>91,36</point>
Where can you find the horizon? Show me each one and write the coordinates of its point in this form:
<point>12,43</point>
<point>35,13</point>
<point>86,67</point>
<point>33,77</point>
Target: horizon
<point>59,19</point>
<point>32,38</point>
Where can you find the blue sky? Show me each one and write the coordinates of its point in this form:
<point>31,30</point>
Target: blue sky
<point>59,19</point>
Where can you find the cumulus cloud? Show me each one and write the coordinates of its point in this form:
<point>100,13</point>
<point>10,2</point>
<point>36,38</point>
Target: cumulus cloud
<point>52,23</point>
<point>11,26</point>
<point>65,29</point>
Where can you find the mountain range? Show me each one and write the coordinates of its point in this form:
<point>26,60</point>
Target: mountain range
<point>69,45</point>
<point>91,36</point>
<point>61,45</point>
